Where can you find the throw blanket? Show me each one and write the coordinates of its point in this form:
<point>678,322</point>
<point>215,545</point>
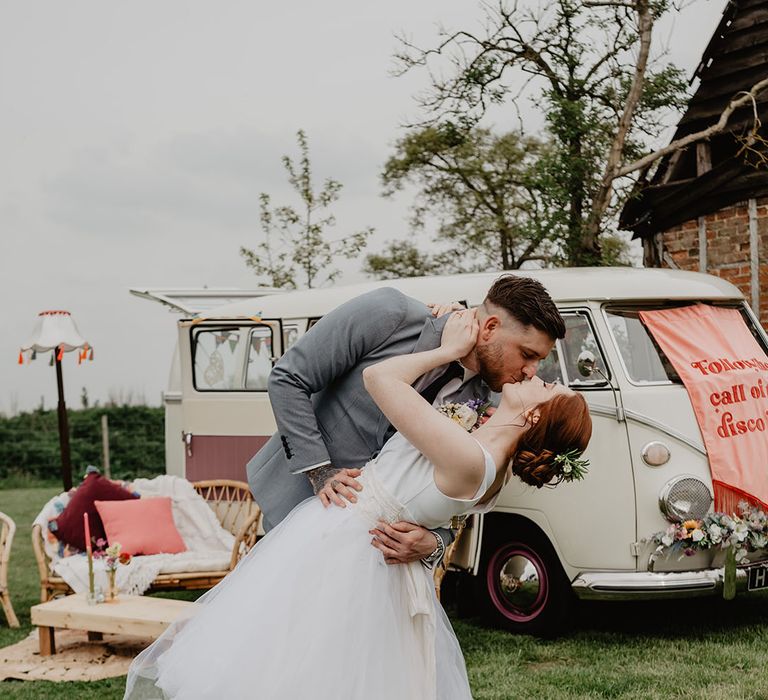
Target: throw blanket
<point>209,545</point>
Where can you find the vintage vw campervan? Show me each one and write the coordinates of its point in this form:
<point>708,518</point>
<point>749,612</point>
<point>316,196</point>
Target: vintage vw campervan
<point>538,549</point>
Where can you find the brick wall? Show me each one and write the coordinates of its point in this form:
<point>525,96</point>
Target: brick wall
<point>727,248</point>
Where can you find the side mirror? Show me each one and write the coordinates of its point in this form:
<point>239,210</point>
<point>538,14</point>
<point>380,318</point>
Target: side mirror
<point>586,363</point>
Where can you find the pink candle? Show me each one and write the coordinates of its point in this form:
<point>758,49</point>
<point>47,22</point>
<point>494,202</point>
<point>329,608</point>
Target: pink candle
<point>87,526</point>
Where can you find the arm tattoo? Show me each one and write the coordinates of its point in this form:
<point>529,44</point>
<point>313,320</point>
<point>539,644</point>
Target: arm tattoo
<point>318,477</point>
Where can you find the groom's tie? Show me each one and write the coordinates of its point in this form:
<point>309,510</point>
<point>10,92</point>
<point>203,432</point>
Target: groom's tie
<point>430,392</point>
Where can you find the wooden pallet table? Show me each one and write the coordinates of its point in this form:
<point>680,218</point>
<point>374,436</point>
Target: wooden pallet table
<point>128,614</point>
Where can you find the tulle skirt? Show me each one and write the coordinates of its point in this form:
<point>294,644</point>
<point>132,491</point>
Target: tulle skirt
<point>311,612</point>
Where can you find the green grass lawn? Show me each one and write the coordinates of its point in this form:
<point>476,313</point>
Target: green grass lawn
<point>706,648</point>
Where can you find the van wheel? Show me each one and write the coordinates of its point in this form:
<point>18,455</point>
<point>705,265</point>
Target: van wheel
<point>522,586</point>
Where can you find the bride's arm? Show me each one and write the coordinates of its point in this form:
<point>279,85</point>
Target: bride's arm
<point>458,460</point>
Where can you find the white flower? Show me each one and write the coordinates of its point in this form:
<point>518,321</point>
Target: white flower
<point>697,535</point>
<point>715,533</point>
<point>741,531</point>
<point>465,416</point>
<point>667,540</point>
<point>567,469</point>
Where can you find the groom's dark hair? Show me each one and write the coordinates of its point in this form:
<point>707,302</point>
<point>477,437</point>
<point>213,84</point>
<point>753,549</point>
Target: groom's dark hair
<point>528,301</point>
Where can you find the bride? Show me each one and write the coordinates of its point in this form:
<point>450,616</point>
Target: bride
<point>313,611</point>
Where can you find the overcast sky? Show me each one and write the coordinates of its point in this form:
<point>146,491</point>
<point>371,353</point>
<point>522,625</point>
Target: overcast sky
<point>135,138</point>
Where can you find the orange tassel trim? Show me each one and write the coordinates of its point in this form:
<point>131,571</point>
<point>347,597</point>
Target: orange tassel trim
<point>21,358</point>
<point>60,354</point>
<point>727,499</point>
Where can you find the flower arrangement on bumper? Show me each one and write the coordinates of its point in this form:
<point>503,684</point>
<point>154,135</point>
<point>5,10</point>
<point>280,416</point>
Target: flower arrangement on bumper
<point>743,533</point>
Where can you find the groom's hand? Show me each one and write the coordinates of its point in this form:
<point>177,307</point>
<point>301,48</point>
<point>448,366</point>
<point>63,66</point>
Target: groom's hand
<point>402,542</point>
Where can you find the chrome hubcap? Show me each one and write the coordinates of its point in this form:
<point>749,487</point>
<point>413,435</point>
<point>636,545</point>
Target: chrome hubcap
<point>519,583</point>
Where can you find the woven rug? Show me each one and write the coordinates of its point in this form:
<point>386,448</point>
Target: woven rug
<point>76,659</point>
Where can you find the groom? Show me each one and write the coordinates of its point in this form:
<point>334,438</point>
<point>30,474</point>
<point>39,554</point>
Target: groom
<point>328,425</point>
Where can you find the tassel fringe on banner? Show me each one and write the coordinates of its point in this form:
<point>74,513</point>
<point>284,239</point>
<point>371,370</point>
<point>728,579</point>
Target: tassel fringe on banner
<point>21,357</point>
<point>727,499</point>
<point>60,354</point>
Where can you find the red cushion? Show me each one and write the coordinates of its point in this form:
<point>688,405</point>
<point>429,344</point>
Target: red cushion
<point>68,527</point>
<point>141,527</point>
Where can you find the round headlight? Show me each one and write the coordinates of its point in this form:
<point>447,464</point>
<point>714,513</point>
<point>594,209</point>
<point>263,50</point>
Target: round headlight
<point>685,498</point>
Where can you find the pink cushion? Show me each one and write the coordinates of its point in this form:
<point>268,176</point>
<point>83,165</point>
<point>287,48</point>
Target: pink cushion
<point>143,526</point>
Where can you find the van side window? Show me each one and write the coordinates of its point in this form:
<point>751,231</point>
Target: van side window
<point>560,364</point>
<point>215,353</point>
<point>259,358</point>
<point>290,335</point>
<point>231,358</point>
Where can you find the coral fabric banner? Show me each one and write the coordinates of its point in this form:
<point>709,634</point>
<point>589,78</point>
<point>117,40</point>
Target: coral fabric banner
<point>725,372</point>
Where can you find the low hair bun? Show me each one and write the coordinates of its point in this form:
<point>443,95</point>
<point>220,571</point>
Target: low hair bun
<point>535,468</point>
<point>564,424</point>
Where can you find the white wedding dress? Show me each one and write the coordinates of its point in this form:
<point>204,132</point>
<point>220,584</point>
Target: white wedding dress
<point>314,612</point>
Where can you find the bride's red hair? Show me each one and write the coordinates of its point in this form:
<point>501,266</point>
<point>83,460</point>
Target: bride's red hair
<point>564,424</point>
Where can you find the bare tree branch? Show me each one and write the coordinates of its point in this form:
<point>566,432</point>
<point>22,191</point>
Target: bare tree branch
<point>733,105</point>
<point>602,197</point>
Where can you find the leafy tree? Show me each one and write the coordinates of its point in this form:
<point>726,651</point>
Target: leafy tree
<point>295,250</point>
<point>403,259</point>
<point>586,66</point>
<point>482,189</point>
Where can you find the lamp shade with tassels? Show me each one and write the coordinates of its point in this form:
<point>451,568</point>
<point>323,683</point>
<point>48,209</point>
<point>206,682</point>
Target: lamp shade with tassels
<point>56,332</point>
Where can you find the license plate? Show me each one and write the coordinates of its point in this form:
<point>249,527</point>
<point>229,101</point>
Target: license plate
<point>758,577</point>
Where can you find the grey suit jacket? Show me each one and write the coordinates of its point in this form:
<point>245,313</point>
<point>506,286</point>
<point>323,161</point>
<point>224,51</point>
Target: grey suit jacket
<point>322,409</point>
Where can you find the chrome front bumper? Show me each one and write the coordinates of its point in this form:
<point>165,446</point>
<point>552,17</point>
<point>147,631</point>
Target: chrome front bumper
<point>648,585</point>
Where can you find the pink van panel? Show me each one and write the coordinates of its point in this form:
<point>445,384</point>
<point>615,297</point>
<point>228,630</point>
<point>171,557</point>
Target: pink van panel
<point>222,456</point>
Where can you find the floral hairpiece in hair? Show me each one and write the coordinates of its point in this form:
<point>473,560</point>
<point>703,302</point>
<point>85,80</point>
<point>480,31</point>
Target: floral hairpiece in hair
<point>572,468</point>
<point>469,414</point>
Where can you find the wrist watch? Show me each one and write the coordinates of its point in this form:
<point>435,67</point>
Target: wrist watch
<point>437,552</point>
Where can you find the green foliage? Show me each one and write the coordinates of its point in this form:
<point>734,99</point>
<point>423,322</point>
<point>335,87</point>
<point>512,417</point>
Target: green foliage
<point>29,443</point>
<point>484,191</point>
<point>402,259</point>
<point>295,250</point>
<point>575,64</point>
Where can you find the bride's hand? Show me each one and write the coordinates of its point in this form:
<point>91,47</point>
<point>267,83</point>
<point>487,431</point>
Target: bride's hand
<point>440,309</point>
<point>340,486</point>
<point>460,333</point>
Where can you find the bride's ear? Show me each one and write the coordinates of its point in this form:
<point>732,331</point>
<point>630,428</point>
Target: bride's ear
<point>532,415</point>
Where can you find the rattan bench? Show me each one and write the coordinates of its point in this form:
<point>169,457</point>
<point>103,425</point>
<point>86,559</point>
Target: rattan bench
<point>237,512</point>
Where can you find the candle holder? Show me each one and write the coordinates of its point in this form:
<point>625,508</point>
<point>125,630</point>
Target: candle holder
<point>94,596</point>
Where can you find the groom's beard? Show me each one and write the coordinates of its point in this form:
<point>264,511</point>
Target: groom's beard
<point>490,364</point>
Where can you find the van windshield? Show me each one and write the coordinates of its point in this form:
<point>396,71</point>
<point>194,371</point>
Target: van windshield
<point>643,359</point>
